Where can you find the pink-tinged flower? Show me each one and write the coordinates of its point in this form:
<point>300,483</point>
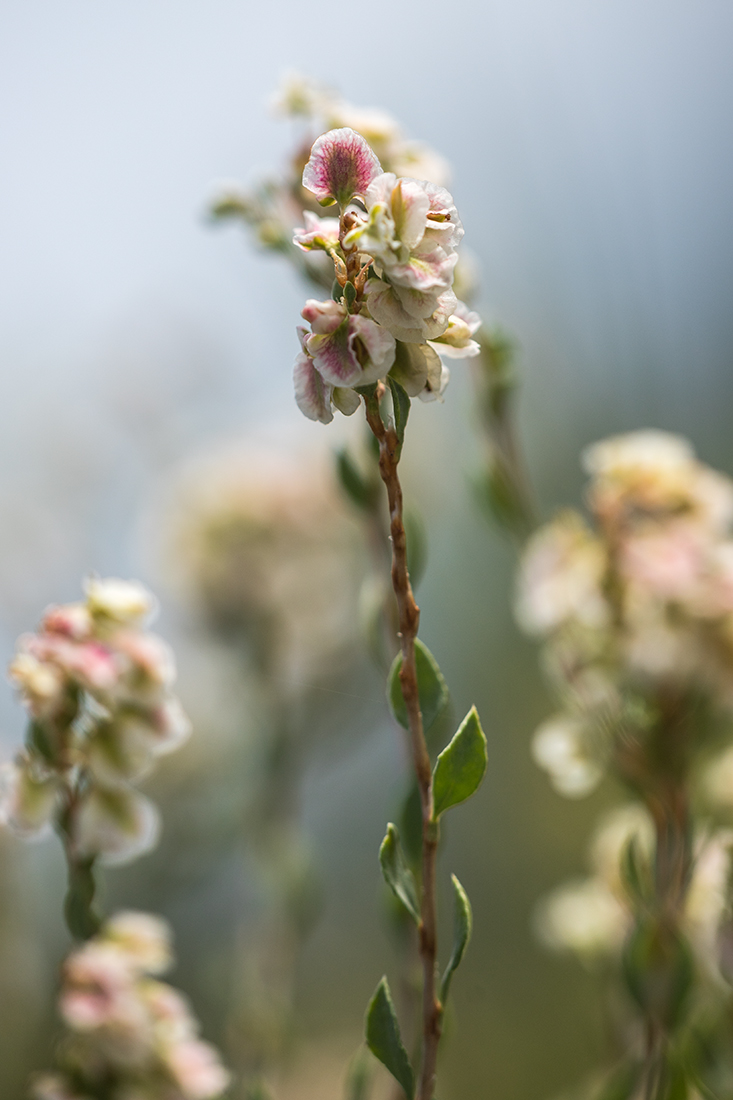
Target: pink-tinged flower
<point>312,394</point>
<point>319,233</point>
<point>197,1070</point>
<point>29,798</point>
<point>73,620</point>
<point>90,663</point>
<point>151,658</point>
<point>142,938</point>
<point>170,1012</point>
<point>412,316</point>
<point>456,341</point>
<point>341,167</point>
<point>116,824</point>
<point>347,349</point>
<point>98,989</point>
<point>171,727</point>
<point>665,560</point>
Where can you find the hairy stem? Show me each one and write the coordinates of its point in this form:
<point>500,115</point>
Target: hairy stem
<point>409,619</point>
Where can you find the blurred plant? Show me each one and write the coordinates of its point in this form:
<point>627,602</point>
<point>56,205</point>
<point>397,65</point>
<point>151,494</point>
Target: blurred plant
<point>248,526</point>
<point>636,615</point>
<point>97,687</point>
<point>128,1036</point>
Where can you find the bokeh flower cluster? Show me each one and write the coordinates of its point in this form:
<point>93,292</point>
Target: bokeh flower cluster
<point>128,1035</point>
<point>97,686</point>
<point>635,609</point>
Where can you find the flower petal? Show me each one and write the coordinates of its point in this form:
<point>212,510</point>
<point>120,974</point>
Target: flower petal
<point>334,355</point>
<point>312,394</point>
<point>341,165</point>
<point>118,825</point>
<point>322,233</point>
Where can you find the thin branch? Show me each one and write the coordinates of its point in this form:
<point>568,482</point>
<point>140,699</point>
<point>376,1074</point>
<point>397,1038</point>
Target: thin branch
<point>409,619</point>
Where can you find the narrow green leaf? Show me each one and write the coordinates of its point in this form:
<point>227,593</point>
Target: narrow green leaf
<point>431,686</point>
<point>359,491</point>
<point>337,291</point>
<point>463,926</point>
<point>397,874</point>
<point>461,765</point>
<point>349,294</point>
<point>401,404</point>
<point>359,1076</point>
<point>384,1039</point>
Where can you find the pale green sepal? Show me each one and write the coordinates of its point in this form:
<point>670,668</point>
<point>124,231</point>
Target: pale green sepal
<point>384,1039</point>
<point>463,927</point>
<point>397,873</point>
<point>461,765</point>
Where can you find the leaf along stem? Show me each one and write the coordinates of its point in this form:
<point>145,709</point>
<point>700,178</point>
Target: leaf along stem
<point>409,619</point>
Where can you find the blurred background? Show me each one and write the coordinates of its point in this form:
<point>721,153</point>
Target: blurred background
<point>593,167</point>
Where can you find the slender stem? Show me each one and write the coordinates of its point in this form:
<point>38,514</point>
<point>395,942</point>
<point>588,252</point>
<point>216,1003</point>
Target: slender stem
<point>409,619</point>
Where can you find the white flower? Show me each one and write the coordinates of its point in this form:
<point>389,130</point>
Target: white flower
<point>456,341</point>
<point>561,576</point>
<point>143,939</point>
<point>584,917</point>
<point>116,824</point>
<point>123,602</point>
<point>29,798</point>
<point>558,747</point>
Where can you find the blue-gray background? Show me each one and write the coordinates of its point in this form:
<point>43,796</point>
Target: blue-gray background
<point>593,167</point>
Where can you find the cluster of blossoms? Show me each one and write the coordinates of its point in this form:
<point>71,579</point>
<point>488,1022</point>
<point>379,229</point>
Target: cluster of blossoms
<point>275,208</point>
<point>393,310</point>
<point>248,524</point>
<point>593,917</point>
<point>636,611</point>
<point>97,687</point>
<point>128,1036</point>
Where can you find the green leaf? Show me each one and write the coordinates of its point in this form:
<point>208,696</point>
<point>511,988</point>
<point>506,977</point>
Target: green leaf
<point>397,874</point>
<point>337,291</point>
<point>384,1039</point>
<point>359,491</point>
<point>461,765</point>
<point>401,405</point>
<point>349,293</point>
<point>463,926</point>
<point>431,686</point>
<point>358,1076</point>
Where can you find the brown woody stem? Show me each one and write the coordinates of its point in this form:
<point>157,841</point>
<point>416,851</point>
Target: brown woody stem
<point>409,619</point>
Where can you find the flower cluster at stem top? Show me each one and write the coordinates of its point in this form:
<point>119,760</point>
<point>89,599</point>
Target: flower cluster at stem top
<point>393,310</point>
<point>126,1032</point>
<point>636,611</point>
<point>97,687</point>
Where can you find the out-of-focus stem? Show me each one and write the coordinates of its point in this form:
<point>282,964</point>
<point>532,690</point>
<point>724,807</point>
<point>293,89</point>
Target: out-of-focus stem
<point>409,619</point>
<point>507,485</point>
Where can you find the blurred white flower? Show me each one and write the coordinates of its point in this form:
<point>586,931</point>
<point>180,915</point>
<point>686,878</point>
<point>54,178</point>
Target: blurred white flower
<point>558,747</point>
<point>583,917</point>
<point>561,577</point>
